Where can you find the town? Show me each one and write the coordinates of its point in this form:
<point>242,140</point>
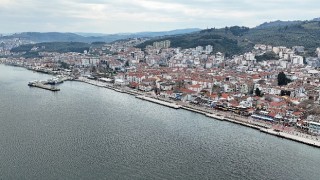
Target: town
<point>271,85</point>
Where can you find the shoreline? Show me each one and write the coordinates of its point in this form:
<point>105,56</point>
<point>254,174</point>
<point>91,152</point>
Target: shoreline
<point>263,128</point>
<point>221,116</point>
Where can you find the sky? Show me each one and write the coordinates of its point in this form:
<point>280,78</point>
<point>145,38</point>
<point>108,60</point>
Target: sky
<point>122,16</point>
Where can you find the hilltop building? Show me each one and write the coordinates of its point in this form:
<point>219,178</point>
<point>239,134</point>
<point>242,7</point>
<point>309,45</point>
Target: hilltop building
<point>162,44</point>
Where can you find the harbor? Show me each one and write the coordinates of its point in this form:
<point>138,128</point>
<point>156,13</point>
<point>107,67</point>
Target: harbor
<point>50,83</point>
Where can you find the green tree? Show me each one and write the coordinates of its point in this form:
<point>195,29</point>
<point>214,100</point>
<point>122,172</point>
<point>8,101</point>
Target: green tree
<point>267,56</point>
<point>126,64</point>
<point>258,92</point>
<point>282,79</point>
<point>64,65</point>
<point>216,88</point>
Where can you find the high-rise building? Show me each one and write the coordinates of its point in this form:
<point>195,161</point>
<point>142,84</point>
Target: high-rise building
<point>209,49</point>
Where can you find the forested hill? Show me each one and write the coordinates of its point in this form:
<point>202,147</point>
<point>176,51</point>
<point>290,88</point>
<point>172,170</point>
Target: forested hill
<point>32,50</point>
<point>227,40</point>
<point>61,47</point>
<point>306,34</point>
<point>235,40</point>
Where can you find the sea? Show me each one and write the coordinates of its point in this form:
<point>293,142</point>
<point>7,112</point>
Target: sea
<point>87,132</point>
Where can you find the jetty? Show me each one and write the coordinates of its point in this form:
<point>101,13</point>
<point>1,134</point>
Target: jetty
<point>172,105</point>
<point>43,86</point>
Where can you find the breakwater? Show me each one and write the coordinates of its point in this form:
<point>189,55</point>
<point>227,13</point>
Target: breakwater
<point>42,86</point>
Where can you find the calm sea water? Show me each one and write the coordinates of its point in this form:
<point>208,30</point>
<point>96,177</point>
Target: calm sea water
<point>86,132</point>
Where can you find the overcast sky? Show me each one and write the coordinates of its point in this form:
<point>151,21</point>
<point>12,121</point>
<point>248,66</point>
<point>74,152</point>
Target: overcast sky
<point>115,16</point>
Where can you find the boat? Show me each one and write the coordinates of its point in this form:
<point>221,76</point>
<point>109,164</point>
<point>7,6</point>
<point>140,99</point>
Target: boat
<point>32,83</point>
<point>54,81</point>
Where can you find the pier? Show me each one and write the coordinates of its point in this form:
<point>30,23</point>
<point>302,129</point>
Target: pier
<point>42,86</point>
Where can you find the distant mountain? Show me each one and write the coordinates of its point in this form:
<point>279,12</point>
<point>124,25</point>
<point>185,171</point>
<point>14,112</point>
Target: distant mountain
<point>89,37</point>
<point>48,37</point>
<point>142,34</point>
<point>166,33</point>
<point>90,34</point>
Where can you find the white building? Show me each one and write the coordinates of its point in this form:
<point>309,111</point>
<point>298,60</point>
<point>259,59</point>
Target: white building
<point>314,127</point>
<point>209,49</point>
<point>199,49</point>
<point>249,56</point>
<point>297,60</point>
<point>318,52</point>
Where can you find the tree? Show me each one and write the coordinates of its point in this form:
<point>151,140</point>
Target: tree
<point>216,88</point>
<point>64,65</point>
<point>226,29</point>
<point>93,69</point>
<point>282,79</point>
<point>267,56</point>
<point>180,84</point>
<point>258,92</point>
<point>305,60</point>
<point>126,64</point>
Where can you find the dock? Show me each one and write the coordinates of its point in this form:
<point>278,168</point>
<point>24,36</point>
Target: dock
<point>172,105</point>
<point>42,86</point>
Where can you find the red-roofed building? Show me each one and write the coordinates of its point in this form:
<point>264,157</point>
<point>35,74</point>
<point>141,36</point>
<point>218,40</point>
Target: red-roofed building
<point>196,88</point>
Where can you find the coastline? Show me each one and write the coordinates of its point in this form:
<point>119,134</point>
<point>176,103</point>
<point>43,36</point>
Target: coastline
<point>221,116</point>
<point>217,115</point>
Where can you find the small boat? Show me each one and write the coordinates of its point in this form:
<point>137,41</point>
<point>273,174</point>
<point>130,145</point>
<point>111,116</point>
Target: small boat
<point>54,81</point>
<point>32,83</point>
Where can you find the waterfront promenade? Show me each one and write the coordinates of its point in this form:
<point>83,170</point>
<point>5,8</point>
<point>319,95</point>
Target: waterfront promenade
<point>262,126</point>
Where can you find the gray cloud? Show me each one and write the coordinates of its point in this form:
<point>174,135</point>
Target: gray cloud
<point>109,16</point>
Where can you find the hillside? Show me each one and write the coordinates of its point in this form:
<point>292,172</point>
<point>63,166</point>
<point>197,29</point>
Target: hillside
<point>277,23</point>
<point>89,37</point>
<point>235,40</point>
<point>227,40</point>
<point>48,37</point>
<point>32,50</point>
<point>306,34</point>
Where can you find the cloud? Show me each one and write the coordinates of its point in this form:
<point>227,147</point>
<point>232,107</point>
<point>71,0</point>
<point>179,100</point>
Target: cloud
<point>109,16</point>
